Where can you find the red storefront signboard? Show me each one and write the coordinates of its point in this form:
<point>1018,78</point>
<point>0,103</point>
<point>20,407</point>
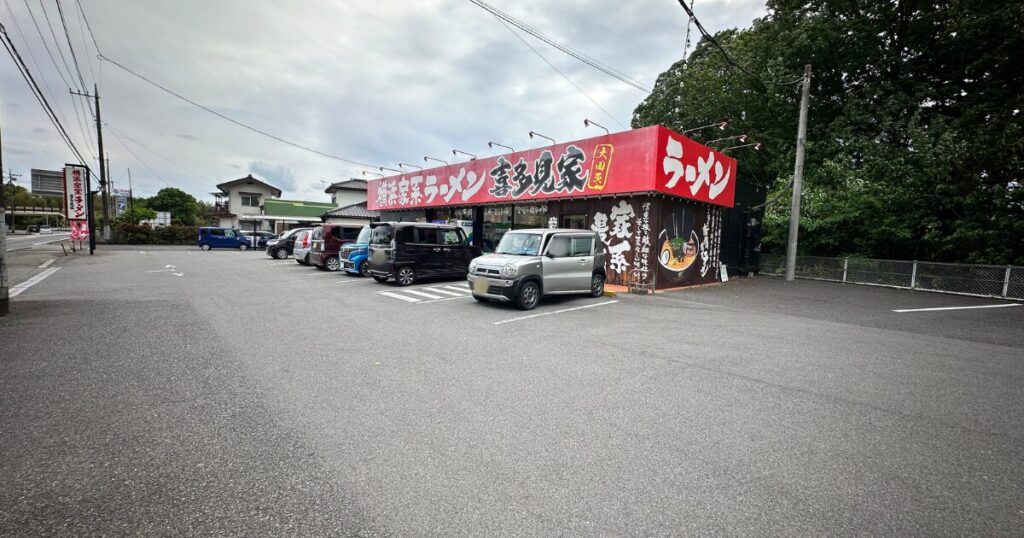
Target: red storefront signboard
<point>652,159</point>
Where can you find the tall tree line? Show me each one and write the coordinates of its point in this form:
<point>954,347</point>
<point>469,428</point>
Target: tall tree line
<point>915,144</point>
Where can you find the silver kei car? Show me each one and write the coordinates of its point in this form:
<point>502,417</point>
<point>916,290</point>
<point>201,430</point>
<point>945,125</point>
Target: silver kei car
<point>529,264</point>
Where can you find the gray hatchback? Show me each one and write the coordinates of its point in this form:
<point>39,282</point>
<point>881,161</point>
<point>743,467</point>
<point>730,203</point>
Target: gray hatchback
<point>529,264</point>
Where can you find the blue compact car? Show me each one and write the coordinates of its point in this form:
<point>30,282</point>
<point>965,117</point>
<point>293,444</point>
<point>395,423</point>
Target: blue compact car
<point>353,255</point>
<point>216,237</point>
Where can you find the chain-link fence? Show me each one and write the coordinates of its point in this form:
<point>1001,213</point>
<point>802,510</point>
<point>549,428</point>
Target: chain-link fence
<point>985,280</point>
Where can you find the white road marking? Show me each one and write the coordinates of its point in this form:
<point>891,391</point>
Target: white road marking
<point>20,288</point>
<point>956,308</point>
<point>178,274</point>
<point>461,289</point>
<point>438,289</point>
<point>282,263</point>
<point>397,296</point>
<point>47,263</point>
<point>555,312</point>
<point>423,294</point>
<point>169,267</point>
<point>446,299</point>
<point>161,271</point>
<point>354,280</point>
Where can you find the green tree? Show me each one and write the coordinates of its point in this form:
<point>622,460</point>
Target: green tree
<point>915,141</point>
<point>182,205</point>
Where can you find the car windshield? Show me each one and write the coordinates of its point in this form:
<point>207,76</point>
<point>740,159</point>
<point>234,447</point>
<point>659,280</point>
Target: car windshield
<point>364,235</point>
<point>519,244</point>
<point>381,235</point>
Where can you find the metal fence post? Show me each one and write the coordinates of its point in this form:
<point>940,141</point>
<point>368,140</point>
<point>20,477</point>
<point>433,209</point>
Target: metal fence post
<point>1006,281</point>
<point>846,265</point>
<point>913,276</point>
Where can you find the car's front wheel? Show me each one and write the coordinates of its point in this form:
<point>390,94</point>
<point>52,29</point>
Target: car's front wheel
<point>405,276</point>
<point>281,253</point>
<point>364,268</point>
<point>529,296</point>
<point>204,246</point>
<point>597,285</point>
<point>333,264</point>
<point>243,246</point>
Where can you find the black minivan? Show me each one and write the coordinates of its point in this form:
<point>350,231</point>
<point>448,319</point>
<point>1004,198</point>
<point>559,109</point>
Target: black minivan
<point>407,251</point>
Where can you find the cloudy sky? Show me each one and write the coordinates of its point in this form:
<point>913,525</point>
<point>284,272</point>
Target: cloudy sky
<point>380,82</point>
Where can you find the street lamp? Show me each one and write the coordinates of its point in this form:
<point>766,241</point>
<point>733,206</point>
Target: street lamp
<point>410,165</point>
<point>721,126</point>
<point>382,168</point>
<point>588,123</point>
<point>492,144</point>
<point>458,151</point>
<point>535,133</point>
<point>742,137</point>
<point>425,159</point>
<point>374,173</point>
<point>755,145</point>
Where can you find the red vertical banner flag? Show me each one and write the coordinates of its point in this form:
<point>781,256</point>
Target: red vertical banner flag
<point>76,200</point>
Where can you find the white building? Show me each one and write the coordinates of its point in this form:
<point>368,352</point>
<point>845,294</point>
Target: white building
<point>242,200</point>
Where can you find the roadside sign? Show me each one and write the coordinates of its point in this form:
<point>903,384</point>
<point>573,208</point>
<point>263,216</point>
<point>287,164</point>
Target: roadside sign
<point>76,199</point>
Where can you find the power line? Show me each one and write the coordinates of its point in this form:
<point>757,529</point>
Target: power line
<point>87,25</point>
<point>563,48</point>
<point>143,146</point>
<point>567,79</point>
<point>139,159</point>
<point>728,59</point>
<point>236,122</point>
<point>27,75</point>
<point>74,57</point>
<point>60,52</point>
<point>85,44</point>
<point>42,74</point>
<point>45,44</point>
<point>79,113</point>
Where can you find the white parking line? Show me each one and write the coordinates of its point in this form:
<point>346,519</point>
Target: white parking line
<point>20,288</point>
<point>439,289</point>
<point>460,289</point>
<point>555,312</point>
<point>423,294</point>
<point>398,296</point>
<point>956,308</point>
<point>47,263</point>
<point>445,299</point>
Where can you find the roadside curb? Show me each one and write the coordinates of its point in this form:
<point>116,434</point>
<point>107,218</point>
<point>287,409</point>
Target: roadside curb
<point>609,293</point>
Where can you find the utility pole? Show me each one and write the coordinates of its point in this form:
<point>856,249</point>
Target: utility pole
<point>103,169</point>
<point>4,294</point>
<point>131,197</point>
<point>798,174</point>
<point>11,180</point>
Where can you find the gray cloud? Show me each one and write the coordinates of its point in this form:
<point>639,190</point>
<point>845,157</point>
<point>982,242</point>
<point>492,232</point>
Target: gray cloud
<point>378,82</point>
<point>277,175</point>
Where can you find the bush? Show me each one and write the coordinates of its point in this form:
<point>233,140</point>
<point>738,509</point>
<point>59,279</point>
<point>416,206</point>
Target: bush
<point>144,234</point>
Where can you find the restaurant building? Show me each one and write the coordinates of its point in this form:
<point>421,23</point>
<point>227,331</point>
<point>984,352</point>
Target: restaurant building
<point>654,197</point>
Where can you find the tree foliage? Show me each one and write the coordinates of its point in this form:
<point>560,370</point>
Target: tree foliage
<point>914,146</point>
<point>183,206</point>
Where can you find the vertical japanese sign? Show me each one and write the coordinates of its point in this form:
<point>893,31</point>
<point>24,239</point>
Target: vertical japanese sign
<point>76,199</point>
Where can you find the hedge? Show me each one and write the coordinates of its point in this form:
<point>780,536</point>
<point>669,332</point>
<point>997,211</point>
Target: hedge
<point>144,234</point>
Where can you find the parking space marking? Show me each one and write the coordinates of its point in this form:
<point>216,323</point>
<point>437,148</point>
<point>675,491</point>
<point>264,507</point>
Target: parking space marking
<point>47,263</point>
<point>440,289</point>
<point>398,296</point>
<point>460,289</point>
<point>445,299</point>
<point>937,309</point>
<point>353,280</point>
<point>20,288</point>
<point>551,313</point>
<point>424,294</point>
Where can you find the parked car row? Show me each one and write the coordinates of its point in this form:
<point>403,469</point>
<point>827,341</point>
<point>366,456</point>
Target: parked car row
<point>526,265</point>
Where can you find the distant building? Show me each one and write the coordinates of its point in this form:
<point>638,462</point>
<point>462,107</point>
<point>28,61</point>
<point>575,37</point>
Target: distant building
<point>48,182</point>
<point>163,218</point>
<point>243,198</point>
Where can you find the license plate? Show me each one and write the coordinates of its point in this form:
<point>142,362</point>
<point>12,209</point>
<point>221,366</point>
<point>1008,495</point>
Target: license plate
<point>480,285</point>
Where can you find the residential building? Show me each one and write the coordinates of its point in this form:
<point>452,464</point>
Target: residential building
<point>349,199</point>
<point>242,200</point>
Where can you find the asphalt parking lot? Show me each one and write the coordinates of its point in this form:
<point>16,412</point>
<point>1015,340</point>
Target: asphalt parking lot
<point>173,391</point>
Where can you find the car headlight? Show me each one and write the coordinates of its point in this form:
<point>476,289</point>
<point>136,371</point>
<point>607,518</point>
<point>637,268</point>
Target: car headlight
<point>509,270</point>
<point>472,266</point>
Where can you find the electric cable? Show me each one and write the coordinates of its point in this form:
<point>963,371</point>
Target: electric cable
<point>501,15</point>
<point>236,122</point>
<point>567,79</point>
<point>23,69</point>
<point>729,59</point>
